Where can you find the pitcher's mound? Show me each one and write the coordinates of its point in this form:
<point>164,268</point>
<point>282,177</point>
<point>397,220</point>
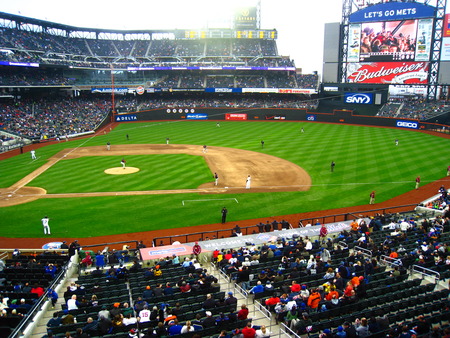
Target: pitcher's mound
<point>121,171</point>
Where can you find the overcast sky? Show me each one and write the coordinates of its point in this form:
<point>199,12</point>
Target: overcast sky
<point>300,23</point>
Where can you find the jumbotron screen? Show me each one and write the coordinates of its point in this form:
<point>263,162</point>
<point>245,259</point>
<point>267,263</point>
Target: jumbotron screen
<point>390,41</point>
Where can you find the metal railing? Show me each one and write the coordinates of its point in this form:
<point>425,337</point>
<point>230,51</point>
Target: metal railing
<point>364,251</point>
<point>262,309</point>
<point>391,262</point>
<point>288,332</point>
<point>426,272</point>
<point>248,230</point>
<point>29,319</point>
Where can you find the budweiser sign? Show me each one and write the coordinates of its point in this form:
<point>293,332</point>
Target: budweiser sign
<point>388,72</point>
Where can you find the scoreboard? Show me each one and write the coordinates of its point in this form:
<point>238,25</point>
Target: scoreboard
<point>263,34</point>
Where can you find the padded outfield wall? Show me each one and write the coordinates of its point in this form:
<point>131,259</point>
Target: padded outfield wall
<point>279,114</point>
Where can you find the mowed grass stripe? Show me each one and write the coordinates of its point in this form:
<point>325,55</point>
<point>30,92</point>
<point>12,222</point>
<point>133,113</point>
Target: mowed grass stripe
<point>158,172</point>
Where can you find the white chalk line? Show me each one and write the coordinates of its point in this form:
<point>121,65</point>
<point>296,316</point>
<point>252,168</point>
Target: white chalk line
<point>49,165</point>
<point>210,199</point>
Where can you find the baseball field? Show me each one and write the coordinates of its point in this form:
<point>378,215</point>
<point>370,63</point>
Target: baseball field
<point>172,185</point>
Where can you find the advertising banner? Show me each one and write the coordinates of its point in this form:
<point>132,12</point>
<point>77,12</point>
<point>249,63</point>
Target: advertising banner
<point>446,30</point>
<point>125,118</point>
<point>354,35</point>
<point>358,98</point>
<point>245,18</point>
<point>388,72</point>
<point>196,116</point>
<point>424,37</point>
<point>393,11</point>
<point>407,124</point>
<point>235,117</point>
<point>445,50</point>
<point>109,90</point>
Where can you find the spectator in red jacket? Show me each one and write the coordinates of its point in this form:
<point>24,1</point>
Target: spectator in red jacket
<point>37,290</point>
<point>248,331</point>
<point>243,312</point>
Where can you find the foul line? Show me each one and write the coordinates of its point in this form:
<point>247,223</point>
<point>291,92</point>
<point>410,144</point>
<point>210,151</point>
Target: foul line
<point>211,199</point>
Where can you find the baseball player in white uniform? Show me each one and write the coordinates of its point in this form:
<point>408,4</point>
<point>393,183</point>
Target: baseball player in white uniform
<point>33,154</point>
<point>216,179</point>
<point>46,225</point>
<point>248,182</point>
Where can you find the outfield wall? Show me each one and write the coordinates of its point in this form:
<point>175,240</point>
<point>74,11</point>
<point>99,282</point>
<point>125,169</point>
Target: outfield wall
<point>278,114</point>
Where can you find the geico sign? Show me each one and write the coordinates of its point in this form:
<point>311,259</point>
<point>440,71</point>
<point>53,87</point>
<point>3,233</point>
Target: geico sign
<point>358,98</point>
<point>407,124</point>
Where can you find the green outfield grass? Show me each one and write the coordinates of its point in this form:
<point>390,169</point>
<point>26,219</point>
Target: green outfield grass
<point>366,159</point>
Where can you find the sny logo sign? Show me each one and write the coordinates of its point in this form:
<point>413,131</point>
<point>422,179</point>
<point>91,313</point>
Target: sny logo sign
<point>358,98</point>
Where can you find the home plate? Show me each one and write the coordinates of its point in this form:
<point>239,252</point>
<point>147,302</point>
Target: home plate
<point>121,171</point>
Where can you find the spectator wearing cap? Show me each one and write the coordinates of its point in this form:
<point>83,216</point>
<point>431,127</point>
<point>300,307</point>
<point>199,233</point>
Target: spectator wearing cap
<point>104,312</point>
<point>302,324</point>
<point>174,327</point>
<point>350,330</point>
<point>262,277</point>
<point>340,332</point>
<point>115,310</point>
<point>304,292</point>
<point>231,300</point>
<point>209,321</point>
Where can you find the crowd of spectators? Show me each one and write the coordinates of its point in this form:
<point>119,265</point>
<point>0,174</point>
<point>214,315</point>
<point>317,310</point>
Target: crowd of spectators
<point>56,117</point>
<point>413,108</point>
<point>46,48</point>
<point>218,102</point>
<point>340,275</point>
<point>185,79</point>
<point>17,293</point>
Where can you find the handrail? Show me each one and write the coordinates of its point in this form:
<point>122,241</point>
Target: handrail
<point>396,262</point>
<point>287,331</point>
<point>261,308</point>
<point>29,317</point>
<point>343,244</point>
<point>364,251</point>
<point>426,272</point>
